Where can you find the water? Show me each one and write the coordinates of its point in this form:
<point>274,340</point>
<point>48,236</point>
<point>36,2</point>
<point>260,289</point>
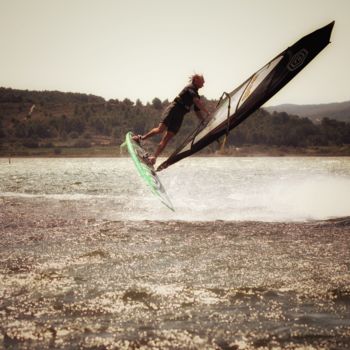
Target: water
<point>264,189</point>
<point>90,259</point>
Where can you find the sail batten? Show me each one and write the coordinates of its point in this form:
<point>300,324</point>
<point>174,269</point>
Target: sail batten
<point>254,92</point>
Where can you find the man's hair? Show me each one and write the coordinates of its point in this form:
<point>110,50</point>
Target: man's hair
<point>195,76</point>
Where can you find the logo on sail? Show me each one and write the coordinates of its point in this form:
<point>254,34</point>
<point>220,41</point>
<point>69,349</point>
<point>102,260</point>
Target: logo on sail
<point>297,60</point>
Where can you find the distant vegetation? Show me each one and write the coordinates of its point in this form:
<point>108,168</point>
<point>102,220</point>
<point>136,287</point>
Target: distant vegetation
<point>339,111</point>
<point>55,121</point>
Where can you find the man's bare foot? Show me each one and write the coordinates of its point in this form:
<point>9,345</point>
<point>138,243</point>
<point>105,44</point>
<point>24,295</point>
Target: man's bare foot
<point>152,160</point>
<point>137,138</point>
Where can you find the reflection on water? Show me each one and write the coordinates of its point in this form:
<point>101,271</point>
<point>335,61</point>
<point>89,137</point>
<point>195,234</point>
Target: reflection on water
<point>265,189</point>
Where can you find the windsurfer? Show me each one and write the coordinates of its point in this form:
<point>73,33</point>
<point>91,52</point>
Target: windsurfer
<point>172,118</point>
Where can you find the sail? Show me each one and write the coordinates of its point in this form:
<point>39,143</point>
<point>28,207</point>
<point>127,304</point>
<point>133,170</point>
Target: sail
<point>254,92</point>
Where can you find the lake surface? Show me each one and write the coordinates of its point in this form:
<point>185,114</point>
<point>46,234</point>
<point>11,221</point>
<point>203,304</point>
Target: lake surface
<point>91,259</point>
<point>263,189</point>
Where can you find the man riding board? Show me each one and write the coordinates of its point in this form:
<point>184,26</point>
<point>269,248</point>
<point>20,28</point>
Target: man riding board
<point>172,118</point>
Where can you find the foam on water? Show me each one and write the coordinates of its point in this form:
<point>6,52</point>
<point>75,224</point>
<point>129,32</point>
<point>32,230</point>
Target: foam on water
<point>201,189</point>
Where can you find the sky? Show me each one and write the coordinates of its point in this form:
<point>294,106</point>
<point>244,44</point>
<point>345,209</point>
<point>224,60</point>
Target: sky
<point>142,49</point>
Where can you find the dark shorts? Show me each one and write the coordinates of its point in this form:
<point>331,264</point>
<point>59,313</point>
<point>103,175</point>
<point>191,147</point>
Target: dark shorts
<point>173,116</point>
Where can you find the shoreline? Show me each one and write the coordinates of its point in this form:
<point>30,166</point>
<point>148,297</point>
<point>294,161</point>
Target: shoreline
<point>245,151</point>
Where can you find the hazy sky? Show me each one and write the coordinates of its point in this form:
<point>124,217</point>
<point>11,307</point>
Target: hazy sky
<point>147,48</point>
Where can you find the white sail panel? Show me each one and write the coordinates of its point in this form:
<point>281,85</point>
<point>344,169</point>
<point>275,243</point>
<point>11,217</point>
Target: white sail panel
<point>258,78</point>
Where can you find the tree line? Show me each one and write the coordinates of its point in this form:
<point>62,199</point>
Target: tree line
<point>51,118</point>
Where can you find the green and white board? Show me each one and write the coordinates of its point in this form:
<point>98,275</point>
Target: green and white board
<point>146,170</point>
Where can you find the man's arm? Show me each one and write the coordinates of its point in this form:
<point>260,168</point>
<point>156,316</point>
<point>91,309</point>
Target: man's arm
<point>202,113</point>
<point>200,116</point>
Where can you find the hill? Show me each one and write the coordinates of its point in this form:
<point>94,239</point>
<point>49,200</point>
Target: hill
<point>338,111</point>
<point>53,122</point>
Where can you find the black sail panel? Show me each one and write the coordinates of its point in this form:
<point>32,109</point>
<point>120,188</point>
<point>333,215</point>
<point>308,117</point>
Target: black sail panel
<point>254,92</point>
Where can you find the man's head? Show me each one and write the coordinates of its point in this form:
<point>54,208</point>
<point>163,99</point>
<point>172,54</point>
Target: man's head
<point>197,80</point>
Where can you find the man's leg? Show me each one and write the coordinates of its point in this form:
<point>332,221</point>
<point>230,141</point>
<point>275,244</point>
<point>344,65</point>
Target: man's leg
<point>166,138</point>
<point>155,131</point>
